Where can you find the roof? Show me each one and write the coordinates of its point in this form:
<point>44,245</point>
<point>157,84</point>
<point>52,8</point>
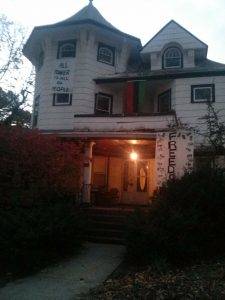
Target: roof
<point>169,24</point>
<point>204,68</point>
<point>88,15</point>
<point>89,12</point>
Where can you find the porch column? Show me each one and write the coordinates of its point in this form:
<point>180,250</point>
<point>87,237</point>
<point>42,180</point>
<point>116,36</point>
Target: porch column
<point>87,172</point>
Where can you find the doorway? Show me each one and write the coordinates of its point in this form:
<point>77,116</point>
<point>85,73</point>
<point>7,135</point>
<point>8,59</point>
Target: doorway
<point>135,182</point>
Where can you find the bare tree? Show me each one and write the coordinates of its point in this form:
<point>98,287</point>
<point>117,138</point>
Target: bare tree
<point>16,75</point>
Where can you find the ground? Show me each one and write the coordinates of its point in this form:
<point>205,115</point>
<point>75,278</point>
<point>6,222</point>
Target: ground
<point>69,279</point>
<point>203,281</point>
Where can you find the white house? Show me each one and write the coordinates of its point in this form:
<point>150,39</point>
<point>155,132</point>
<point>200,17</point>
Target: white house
<point>133,107</point>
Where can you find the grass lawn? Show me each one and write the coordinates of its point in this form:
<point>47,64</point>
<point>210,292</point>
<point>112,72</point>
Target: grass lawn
<point>159,281</point>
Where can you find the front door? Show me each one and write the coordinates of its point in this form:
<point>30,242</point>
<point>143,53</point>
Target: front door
<point>135,182</point>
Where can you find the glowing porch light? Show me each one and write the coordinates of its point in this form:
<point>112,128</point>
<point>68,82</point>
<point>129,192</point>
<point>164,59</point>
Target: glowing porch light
<point>133,156</point>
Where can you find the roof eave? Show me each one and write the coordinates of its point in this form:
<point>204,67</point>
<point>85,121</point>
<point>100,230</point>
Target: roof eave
<point>161,76</point>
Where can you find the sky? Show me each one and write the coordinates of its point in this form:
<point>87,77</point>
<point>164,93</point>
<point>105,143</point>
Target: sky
<point>141,18</point>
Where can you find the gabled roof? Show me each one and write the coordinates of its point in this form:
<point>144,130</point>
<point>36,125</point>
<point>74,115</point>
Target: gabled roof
<point>166,35</point>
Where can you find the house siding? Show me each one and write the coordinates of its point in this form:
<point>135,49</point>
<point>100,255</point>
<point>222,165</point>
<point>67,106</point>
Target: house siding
<point>84,68</point>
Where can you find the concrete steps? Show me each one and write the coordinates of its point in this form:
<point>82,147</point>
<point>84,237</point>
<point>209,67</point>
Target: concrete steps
<point>107,225</point>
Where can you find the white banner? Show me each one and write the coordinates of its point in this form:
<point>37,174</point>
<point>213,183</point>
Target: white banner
<point>174,155</point>
<point>62,81</point>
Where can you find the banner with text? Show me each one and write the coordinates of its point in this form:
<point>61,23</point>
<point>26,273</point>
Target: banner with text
<point>62,81</point>
<point>174,155</point>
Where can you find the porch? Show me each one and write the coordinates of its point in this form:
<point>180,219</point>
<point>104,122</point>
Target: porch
<point>121,173</point>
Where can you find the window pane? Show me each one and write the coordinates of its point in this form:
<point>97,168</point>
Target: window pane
<point>103,104</point>
<point>106,54</point>
<point>203,94</point>
<point>67,49</point>
<point>172,62</point>
<point>62,99</point>
<point>172,58</point>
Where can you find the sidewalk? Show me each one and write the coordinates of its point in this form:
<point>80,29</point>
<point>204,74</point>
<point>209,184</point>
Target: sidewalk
<point>69,279</point>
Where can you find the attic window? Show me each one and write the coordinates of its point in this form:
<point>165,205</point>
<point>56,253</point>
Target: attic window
<point>106,54</point>
<point>172,58</point>
<point>66,49</point>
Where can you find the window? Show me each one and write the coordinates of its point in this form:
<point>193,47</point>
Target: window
<point>40,61</point>
<point>172,58</point>
<point>35,111</point>
<point>164,102</point>
<point>103,104</point>
<point>66,49</point>
<point>203,93</point>
<point>62,99</point>
<point>106,54</point>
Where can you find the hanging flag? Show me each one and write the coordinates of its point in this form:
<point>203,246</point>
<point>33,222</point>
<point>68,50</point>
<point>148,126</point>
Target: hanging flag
<point>141,95</point>
<point>129,98</point>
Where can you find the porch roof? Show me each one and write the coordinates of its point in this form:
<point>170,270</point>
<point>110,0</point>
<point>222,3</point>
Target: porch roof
<point>204,68</point>
<point>82,135</point>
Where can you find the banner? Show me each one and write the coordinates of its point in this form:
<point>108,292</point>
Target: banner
<point>174,155</point>
<point>62,81</point>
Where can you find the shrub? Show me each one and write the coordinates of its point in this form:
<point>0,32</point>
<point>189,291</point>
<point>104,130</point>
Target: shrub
<point>34,166</point>
<point>39,181</point>
<point>186,220</point>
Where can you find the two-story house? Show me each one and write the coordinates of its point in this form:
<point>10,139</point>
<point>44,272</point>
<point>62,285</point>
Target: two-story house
<point>98,85</point>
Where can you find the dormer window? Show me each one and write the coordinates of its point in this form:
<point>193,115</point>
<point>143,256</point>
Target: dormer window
<point>66,49</point>
<point>172,58</point>
<point>106,54</point>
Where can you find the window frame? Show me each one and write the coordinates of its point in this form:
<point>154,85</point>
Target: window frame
<point>35,111</point>
<point>202,86</point>
<point>173,67</point>
<point>113,49</point>
<point>40,60</point>
<point>170,100</point>
<point>110,97</point>
<point>61,44</point>
<point>62,104</point>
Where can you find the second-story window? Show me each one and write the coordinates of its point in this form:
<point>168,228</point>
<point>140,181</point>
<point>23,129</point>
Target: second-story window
<point>203,93</point>
<point>62,99</point>
<point>164,102</point>
<point>103,104</point>
<point>172,58</point>
<point>66,49</point>
<point>106,54</point>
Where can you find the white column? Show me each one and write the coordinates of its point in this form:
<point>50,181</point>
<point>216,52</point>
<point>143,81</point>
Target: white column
<point>87,172</point>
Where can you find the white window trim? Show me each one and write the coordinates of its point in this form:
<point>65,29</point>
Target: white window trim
<point>211,87</point>
<point>56,103</point>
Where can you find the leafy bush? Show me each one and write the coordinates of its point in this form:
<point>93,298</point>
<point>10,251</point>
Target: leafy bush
<point>39,181</point>
<point>186,220</point>
<point>34,166</point>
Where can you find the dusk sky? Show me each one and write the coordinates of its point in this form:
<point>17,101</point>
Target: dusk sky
<point>142,18</point>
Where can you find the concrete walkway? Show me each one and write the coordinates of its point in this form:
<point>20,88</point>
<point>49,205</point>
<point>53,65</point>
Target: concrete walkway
<point>69,279</point>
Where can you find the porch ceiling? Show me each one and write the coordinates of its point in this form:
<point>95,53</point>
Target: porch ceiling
<point>122,148</point>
